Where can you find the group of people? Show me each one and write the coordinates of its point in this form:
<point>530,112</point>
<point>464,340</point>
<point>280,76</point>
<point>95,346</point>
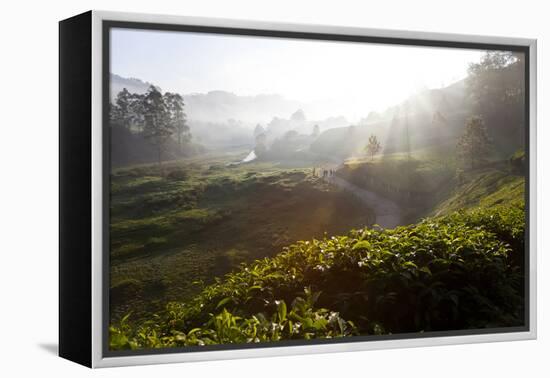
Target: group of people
<point>323,172</point>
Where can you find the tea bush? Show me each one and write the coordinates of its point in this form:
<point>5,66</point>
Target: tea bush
<point>460,271</point>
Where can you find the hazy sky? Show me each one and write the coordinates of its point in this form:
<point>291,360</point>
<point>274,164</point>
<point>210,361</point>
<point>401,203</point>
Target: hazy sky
<point>353,78</point>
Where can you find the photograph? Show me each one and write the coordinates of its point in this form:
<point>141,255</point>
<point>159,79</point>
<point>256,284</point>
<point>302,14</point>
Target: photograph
<point>277,190</point>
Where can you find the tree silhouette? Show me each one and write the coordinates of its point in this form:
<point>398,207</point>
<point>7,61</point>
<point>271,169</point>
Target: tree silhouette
<point>122,102</point>
<point>175,106</point>
<point>260,148</point>
<point>137,111</point>
<point>298,116</point>
<point>373,147</point>
<point>158,126</point>
<point>474,145</point>
<point>316,131</point>
<point>496,90</point>
<point>114,114</point>
<point>258,130</point>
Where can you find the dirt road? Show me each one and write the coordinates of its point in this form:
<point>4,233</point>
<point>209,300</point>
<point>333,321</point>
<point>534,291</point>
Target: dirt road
<point>388,213</point>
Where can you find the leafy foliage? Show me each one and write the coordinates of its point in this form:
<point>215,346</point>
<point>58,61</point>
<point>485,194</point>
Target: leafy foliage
<point>303,321</point>
<point>153,116</point>
<point>175,105</point>
<point>496,89</point>
<point>459,271</point>
<point>474,145</point>
<point>486,187</point>
<point>518,161</point>
<point>373,147</point>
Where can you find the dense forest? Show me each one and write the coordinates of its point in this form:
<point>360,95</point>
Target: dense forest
<point>149,126</point>
<point>230,231</point>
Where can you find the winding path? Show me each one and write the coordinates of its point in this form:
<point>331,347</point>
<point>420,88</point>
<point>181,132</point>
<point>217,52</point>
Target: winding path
<point>388,213</point>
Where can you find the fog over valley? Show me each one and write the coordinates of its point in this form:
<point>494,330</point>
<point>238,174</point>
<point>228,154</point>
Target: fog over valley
<point>223,119</point>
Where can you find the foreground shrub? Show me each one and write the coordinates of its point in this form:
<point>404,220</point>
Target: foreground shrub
<point>461,271</point>
<point>302,322</point>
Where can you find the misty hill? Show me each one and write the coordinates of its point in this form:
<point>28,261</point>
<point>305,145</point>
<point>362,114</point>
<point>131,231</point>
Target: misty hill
<point>492,91</point>
<point>133,85</point>
<point>220,119</point>
<point>220,106</point>
<point>432,117</point>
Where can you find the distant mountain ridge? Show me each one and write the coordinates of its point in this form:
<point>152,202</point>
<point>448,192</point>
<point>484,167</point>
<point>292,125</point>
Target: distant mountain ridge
<point>423,120</point>
<point>133,85</point>
<point>219,106</point>
<point>432,115</point>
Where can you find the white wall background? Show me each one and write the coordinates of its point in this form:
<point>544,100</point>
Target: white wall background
<point>28,207</point>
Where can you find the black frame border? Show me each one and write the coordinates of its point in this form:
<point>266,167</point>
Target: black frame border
<point>107,25</point>
<point>75,189</point>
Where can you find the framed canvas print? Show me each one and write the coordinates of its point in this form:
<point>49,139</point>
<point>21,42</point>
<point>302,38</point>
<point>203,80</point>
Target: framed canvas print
<point>235,189</point>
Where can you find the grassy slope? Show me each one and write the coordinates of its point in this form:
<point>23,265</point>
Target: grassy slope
<point>200,219</point>
<point>458,271</point>
<point>454,272</point>
<point>416,182</point>
<point>485,187</point>
<point>420,174</point>
<point>429,174</point>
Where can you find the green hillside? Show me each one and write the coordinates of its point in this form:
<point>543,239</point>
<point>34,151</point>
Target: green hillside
<point>484,187</point>
<point>459,271</point>
<point>192,220</point>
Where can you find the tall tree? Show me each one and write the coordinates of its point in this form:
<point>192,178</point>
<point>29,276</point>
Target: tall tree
<point>158,126</point>
<point>407,138</point>
<point>394,138</point>
<point>298,116</point>
<point>474,145</point>
<point>496,89</point>
<point>122,102</point>
<point>137,111</point>
<point>373,147</point>
<point>258,130</point>
<point>175,105</point>
<point>114,114</point>
<point>260,148</point>
<point>316,131</point>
